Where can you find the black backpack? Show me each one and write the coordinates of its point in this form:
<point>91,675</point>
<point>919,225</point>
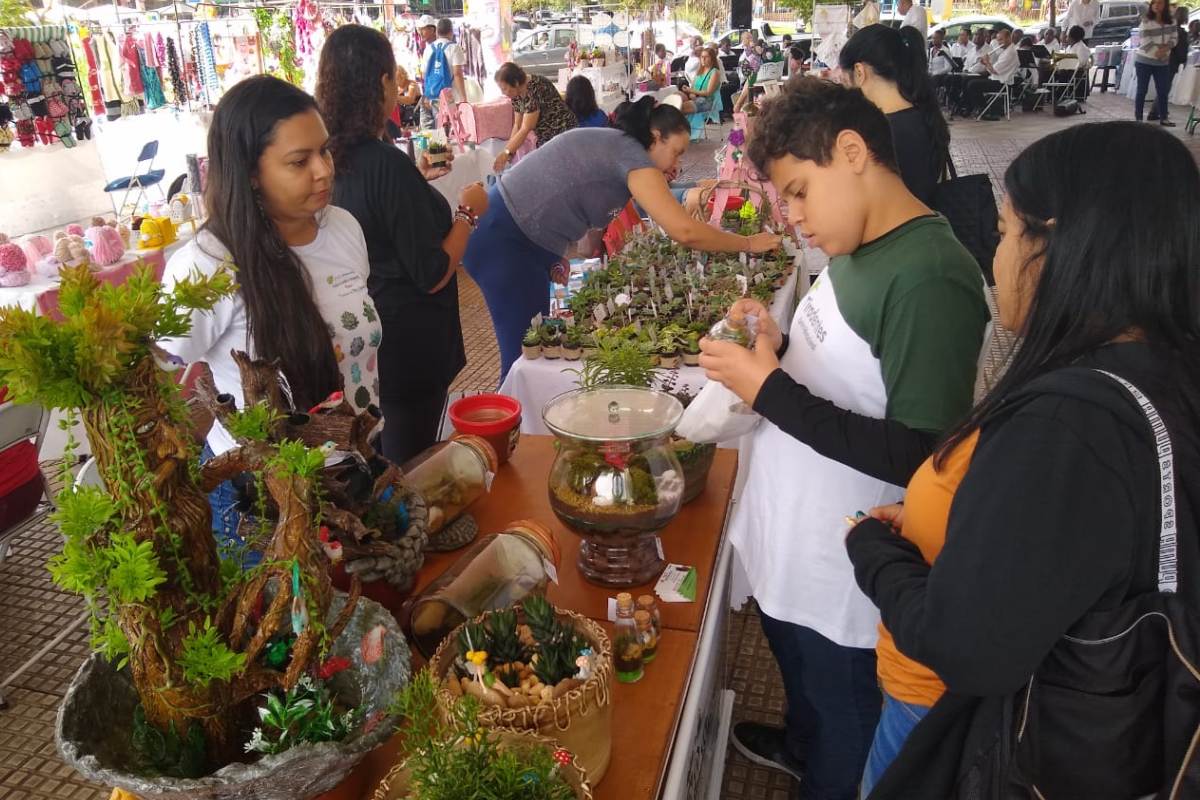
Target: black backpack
<point>969,205</point>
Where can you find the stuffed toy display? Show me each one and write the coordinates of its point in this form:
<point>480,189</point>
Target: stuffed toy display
<point>13,271</point>
<point>74,229</point>
<point>155,233</point>
<point>36,248</point>
<point>104,243</point>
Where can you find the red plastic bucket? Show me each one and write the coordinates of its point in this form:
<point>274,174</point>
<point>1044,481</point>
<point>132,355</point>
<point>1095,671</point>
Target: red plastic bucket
<point>494,417</point>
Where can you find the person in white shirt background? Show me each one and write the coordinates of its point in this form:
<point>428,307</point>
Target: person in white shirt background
<point>940,63</point>
<point>963,45</point>
<point>439,37</point>
<point>914,16</point>
<point>692,65</point>
<point>1001,65</point>
<point>971,46</point>
<point>1085,14</point>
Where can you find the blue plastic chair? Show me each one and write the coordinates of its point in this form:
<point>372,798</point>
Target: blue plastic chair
<point>699,121</point>
<point>140,180</point>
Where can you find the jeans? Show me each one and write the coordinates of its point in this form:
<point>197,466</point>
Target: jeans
<point>833,706</point>
<point>1161,73</point>
<point>429,114</point>
<point>513,274</point>
<point>226,518</point>
<point>895,724</point>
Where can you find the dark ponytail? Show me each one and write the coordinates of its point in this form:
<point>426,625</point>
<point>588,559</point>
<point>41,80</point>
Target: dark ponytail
<point>899,56</point>
<point>640,119</point>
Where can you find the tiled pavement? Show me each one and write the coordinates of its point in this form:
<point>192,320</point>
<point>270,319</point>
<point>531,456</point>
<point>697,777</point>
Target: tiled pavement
<point>42,638</point>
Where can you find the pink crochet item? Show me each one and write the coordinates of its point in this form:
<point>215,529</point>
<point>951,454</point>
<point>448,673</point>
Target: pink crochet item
<point>12,264</point>
<point>74,230</point>
<point>104,243</point>
<point>36,248</point>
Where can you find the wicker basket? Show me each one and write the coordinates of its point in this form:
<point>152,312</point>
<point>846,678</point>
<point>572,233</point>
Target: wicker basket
<point>704,213</point>
<point>394,785</point>
<point>580,720</point>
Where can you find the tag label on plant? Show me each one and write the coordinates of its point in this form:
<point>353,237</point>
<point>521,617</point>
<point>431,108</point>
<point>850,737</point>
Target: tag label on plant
<point>600,313</point>
<point>759,278</point>
<point>569,320</point>
<point>743,284</point>
<point>537,320</point>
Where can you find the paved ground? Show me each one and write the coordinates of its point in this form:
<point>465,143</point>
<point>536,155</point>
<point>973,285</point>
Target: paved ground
<point>43,639</point>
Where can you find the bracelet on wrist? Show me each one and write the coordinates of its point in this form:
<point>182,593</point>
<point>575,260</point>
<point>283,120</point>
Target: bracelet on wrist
<point>467,215</point>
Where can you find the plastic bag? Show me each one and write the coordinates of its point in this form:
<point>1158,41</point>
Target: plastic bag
<point>717,414</point>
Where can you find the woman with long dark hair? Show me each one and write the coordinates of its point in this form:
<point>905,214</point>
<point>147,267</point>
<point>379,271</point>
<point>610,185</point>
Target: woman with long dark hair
<point>581,99</point>
<point>1038,587</point>
<point>580,181</point>
<point>889,66</point>
<point>414,242</point>
<point>301,263</point>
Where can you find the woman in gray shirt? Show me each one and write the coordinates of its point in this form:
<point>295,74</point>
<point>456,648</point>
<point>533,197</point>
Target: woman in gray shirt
<point>1158,35</point>
<point>579,181</point>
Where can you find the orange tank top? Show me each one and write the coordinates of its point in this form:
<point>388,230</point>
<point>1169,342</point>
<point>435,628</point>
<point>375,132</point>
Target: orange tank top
<point>926,515</point>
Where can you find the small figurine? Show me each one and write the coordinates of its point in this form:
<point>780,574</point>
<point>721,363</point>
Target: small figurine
<point>584,662</point>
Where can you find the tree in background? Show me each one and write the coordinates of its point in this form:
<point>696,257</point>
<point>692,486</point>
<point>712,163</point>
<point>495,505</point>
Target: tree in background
<point>14,13</point>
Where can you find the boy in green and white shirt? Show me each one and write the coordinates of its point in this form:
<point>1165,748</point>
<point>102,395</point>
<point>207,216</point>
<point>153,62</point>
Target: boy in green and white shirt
<point>880,359</point>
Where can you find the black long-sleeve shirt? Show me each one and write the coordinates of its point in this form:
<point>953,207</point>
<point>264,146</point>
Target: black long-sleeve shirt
<point>1057,516</point>
<point>405,221</point>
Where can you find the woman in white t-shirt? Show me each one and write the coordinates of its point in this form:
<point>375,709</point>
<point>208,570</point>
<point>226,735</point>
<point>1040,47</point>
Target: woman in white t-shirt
<point>301,263</point>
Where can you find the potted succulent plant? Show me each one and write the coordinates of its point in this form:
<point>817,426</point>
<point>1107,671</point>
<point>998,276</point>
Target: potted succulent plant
<point>438,153</point>
<point>691,349</point>
<point>572,346</point>
<point>531,344</point>
<point>550,336</point>
<point>190,647</point>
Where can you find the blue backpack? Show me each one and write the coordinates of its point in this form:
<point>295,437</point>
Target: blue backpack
<point>437,71</point>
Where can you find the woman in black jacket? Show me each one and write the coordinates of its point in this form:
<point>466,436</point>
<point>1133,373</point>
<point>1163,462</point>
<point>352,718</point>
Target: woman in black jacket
<point>414,241</point>
<point>1062,608</point>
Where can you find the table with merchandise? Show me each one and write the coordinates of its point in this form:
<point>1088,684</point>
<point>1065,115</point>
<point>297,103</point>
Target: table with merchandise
<point>669,728</point>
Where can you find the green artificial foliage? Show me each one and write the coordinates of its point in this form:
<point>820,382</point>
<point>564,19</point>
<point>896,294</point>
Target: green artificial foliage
<point>307,713</point>
<point>617,362</point>
<point>278,33</point>
<point>205,657</point>
<point>168,753</point>
<point>296,458</point>
<point>556,654</point>
<point>474,636</point>
<point>253,423</point>
<point>454,757</point>
<point>505,645</point>
<point>107,329</point>
<point>540,617</point>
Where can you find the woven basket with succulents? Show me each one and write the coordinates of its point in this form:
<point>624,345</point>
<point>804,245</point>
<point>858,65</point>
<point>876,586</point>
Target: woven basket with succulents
<point>535,668</point>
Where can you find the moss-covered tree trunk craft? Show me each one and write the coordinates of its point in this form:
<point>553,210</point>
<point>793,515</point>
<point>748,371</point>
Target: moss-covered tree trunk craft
<point>142,553</point>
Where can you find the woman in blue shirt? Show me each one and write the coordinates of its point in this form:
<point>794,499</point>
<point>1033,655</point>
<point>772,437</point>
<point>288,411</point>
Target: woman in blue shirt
<point>581,99</point>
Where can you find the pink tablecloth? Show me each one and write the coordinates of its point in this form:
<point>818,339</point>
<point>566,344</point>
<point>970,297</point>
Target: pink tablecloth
<point>116,274</point>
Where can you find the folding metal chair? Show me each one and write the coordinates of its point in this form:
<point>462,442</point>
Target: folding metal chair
<point>20,423</point>
<point>1004,95</point>
<point>1066,89</point>
<point>140,179</point>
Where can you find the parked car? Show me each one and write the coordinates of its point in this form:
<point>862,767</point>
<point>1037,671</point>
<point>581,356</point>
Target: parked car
<point>1117,21</point>
<point>953,26</point>
<point>543,50</point>
<point>764,32</point>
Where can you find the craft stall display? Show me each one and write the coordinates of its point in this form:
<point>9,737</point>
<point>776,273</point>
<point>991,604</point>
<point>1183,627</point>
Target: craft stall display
<point>41,101</point>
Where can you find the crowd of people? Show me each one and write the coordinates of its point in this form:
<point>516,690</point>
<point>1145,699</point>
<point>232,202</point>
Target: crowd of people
<point>1012,605</point>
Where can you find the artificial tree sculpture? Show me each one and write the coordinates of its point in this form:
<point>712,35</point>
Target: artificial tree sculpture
<point>192,629</point>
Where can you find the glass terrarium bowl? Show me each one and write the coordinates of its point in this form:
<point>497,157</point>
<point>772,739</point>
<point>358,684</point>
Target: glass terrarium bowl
<point>616,479</point>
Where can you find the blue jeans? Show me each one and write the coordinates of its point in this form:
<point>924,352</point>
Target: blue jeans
<point>833,705</point>
<point>895,724</point>
<point>512,272</point>
<point>226,518</point>
<point>1161,73</point>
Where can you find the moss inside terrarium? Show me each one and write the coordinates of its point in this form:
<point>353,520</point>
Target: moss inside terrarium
<point>625,488</point>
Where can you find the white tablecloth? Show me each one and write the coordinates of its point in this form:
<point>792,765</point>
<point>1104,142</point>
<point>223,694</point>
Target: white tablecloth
<point>26,296</point>
<point>535,383</point>
<point>1183,89</point>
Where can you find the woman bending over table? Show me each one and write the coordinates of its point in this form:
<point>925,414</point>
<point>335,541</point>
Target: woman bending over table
<point>414,243</point>
<point>538,108</point>
<point>580,181</point>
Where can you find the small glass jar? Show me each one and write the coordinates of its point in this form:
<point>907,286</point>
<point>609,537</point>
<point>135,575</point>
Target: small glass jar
<point>450,476</point>
<point>648,634</point>
<point>627,642</point>
<point>496,571</point>
<point>647,603</point>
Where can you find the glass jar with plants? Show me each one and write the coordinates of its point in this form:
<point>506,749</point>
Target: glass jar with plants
<point>451,754</point>
<point>438,153</point>
<point>450,476</point>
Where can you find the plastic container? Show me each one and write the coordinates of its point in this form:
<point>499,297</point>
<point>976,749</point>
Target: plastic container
<point>450,476</point>
<point>494,417</point>
<point>497,571</point>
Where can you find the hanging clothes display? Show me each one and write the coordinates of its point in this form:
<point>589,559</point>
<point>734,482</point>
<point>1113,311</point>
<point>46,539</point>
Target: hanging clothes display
<point>108,63</point>
<point>152,85</point>
<point>178,87</point>
<point>131,68</point>
<point>88,45</point>
<point>40,96</point>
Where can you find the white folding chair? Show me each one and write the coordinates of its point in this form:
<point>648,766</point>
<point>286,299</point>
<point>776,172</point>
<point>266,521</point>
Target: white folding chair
<point>1004,95</point>
<point>20,423</point>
